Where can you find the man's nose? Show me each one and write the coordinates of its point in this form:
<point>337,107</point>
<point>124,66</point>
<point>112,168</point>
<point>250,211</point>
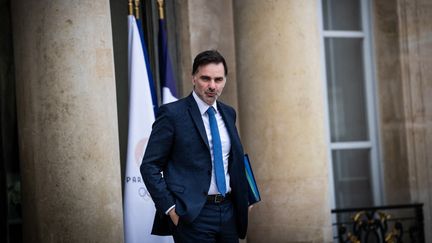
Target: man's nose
<point>212,84</point>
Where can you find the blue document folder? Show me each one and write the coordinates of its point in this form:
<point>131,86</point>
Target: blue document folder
<point>254,195</point>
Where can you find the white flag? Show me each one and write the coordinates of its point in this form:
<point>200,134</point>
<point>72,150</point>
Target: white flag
<point>139,209</point>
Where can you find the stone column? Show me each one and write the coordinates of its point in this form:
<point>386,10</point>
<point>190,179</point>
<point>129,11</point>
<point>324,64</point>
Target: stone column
<point>392,121</point>
<point>416,61</point>
<point>404,57</point>
<point>67,121</point>
<point>207,25</point>
<point>282,118</point>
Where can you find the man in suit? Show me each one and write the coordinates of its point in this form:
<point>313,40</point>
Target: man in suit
<point>193,165</point>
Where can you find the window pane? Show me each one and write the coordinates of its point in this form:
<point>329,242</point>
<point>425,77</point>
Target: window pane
<point>352,177</point>
<point>346,93</point>
<point>342,14</point>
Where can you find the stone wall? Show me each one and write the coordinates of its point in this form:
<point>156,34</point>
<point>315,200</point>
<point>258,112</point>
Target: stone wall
<point>404,61</point>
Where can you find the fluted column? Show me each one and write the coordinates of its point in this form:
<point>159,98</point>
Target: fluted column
<point>282,118</point>
<point>67,121</point>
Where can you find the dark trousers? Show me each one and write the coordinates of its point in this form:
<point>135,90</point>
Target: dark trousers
<point>215,223</point>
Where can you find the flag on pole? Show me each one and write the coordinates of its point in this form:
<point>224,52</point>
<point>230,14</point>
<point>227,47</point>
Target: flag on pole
<point>149,73</point>
<point>139,209</point>
<point>168,82</point>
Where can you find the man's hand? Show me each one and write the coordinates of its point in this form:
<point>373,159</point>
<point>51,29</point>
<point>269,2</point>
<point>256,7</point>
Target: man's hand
<point>174,217</point>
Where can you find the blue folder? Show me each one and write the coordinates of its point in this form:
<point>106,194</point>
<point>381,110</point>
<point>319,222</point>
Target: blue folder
<point>254,195</point>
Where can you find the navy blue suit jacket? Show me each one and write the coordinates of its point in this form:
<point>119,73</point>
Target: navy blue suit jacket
<point>178,147</point>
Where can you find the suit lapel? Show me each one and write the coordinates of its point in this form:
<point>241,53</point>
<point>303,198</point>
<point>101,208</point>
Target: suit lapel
<point>197,119</point>
<point>230,125</point>
<point>229,122</point>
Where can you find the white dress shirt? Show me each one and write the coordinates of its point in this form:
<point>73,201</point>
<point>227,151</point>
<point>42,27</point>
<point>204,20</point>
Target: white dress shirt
<point>225,141</point>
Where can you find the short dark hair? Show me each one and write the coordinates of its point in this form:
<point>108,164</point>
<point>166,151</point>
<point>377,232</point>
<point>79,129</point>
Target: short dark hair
<point>207,57</point>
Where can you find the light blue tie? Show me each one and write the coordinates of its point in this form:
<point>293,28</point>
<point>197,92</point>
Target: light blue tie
<point>217,152</point>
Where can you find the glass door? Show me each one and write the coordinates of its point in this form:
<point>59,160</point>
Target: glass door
<point>350,103</point>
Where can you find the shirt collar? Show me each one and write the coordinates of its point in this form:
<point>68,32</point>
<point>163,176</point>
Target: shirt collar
<point>203,107</point>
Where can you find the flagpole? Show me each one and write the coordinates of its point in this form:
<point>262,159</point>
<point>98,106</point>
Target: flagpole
<point>130,4</point>
<point>168,80</point>
<point>137,7</point>
<point>161,9</point>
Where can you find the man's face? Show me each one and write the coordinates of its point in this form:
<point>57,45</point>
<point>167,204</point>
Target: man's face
<point>209,82</point>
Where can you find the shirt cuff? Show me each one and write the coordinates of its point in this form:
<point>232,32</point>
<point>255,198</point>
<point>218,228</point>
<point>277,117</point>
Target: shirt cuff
<point>169,209</point>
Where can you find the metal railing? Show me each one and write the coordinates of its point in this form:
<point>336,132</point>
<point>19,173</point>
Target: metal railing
<point>385,224</point>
